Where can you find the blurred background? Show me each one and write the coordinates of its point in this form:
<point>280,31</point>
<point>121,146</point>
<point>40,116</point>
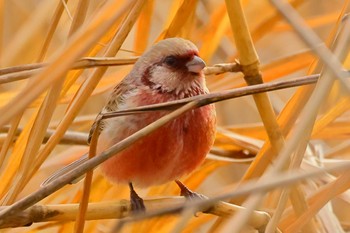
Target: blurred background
<point>27,26</point>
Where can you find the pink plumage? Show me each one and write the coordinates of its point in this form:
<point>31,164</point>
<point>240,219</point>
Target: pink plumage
<point>169,70</point>
<point>178,147</point>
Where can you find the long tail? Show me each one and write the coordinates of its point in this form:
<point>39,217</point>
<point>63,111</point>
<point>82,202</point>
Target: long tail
<point>66,169</point>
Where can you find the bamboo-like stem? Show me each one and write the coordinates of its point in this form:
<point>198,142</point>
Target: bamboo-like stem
<point>118,210</point>
<point>250,67</point>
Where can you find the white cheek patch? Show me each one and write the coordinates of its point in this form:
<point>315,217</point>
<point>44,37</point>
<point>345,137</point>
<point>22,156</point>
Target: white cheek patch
<point>164,78</point>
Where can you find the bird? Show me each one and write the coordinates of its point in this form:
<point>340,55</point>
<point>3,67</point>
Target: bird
<point>169,70</point>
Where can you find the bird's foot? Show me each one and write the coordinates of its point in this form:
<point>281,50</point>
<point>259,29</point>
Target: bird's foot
<point>190,195</point>
<point>136,202</point>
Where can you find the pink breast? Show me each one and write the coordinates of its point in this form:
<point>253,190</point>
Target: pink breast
<point>170,152</point>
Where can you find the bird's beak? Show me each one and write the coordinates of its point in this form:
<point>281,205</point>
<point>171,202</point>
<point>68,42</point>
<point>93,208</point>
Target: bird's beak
<point>196,65</point>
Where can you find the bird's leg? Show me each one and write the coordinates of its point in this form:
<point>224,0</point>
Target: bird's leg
<point>186,192</point>
<point>190,195</point>
<point>136,201</point>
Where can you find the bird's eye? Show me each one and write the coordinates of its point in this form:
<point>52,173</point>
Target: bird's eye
<point>170,61</point>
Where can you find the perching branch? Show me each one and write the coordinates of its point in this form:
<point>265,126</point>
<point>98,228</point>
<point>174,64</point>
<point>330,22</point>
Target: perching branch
<point>118,210</point>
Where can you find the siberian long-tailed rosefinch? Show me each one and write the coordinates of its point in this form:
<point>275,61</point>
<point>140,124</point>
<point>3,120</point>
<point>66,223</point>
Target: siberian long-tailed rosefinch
<point>169,70</point>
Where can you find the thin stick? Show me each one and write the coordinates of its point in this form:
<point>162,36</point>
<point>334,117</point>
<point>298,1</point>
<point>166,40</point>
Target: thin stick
<point>218,96</point>
<point>16,73</point>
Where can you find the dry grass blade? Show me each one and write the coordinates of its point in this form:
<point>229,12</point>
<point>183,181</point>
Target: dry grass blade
<point>55,20</point>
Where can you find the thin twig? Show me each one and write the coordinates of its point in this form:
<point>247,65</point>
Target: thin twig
<point>16,73</point>
<point>218,96</point>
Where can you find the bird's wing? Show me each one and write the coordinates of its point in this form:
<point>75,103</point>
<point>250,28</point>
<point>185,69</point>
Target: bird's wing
<point>116,98</point>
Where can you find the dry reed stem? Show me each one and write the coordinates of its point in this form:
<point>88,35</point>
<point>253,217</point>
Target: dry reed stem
<point>250,67</point>
<point>55,19</point>
<point>118,210</point>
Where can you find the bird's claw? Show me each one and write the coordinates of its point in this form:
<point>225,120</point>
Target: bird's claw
<point>136,202</point>
<point>190,195</point>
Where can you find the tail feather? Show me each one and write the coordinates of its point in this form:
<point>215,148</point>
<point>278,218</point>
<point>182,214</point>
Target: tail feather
<point>66,169</point>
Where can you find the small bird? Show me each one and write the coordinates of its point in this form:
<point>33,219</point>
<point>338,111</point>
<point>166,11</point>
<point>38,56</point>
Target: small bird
<point>170,70</point>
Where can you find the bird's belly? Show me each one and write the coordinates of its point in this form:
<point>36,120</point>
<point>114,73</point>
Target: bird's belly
<point>171,151</point>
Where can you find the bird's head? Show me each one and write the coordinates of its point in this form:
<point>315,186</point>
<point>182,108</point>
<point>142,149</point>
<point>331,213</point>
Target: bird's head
<point>171,65</point>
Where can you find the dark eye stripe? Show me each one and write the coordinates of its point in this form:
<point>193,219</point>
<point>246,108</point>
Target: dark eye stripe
<point>171,61</point>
